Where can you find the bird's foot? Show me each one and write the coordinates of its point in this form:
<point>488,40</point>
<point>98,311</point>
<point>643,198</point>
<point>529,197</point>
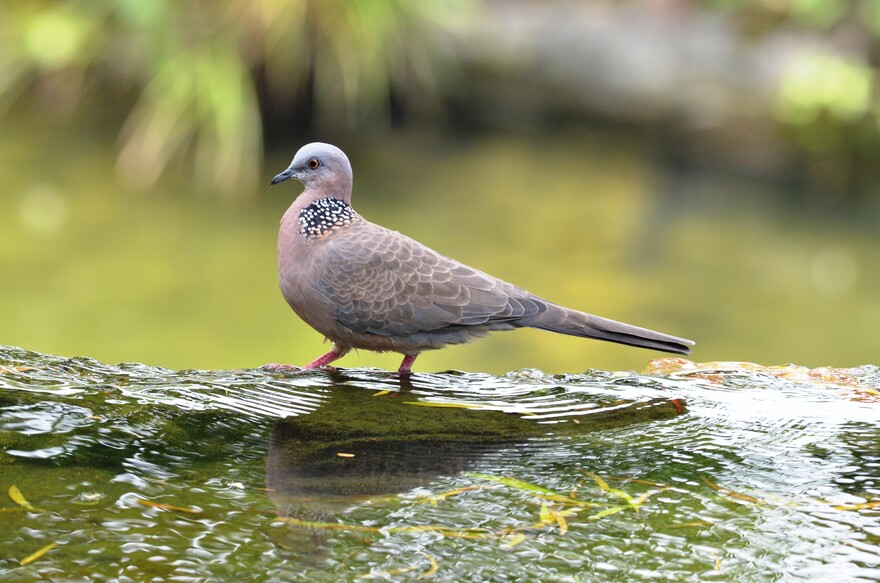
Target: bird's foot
<point>323,361</point>
<point>406,365</point>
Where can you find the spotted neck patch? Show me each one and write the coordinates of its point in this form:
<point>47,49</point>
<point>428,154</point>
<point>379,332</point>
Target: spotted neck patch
<point>325,216</point>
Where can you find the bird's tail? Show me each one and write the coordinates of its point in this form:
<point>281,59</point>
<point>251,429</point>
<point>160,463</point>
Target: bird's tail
<point>575,323</point>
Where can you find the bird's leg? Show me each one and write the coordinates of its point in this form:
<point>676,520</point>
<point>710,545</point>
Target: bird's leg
<point>406,365</point>
<point>322,361</point>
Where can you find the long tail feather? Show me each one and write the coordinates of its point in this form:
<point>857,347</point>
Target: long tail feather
<point>575,323</point>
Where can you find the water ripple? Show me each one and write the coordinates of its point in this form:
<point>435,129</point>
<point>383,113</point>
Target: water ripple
<point>144,473</point>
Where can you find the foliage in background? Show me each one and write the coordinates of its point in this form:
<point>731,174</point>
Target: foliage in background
<point>195,81</point>
<point>827,88</point>
<point>187,78</point>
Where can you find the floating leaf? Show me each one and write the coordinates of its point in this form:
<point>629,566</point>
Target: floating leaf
<point>608,512</point>
<point>560,520</point>
<point>443,496</point>
<point>18,498</point>
<point>88,498</point>
<point>641,499</point>
<point>550,516</point>
<point>732,493</point>
<point>518,484</point>
<point>513,539</point>
<point>638,481</point>
<point>344,454</point>
<point>9,369</point>
<point>862,506</point>
<point>603,485</point>
<point>170,507</point>
<point>432,569</point>
<point>545,515</point>
<point>37,554</point>
<point>470,533</point>
<point>539,491</point>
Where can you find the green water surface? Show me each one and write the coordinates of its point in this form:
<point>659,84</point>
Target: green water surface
<point>138,473</point>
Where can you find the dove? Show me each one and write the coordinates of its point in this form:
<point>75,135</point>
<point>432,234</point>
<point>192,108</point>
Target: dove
<point>367,287</point>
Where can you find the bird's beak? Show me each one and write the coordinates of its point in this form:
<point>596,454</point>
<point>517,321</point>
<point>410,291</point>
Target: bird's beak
<point>286,175</point>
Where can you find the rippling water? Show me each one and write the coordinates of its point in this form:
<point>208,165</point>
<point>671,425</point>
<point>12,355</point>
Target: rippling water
<point>142,473</point>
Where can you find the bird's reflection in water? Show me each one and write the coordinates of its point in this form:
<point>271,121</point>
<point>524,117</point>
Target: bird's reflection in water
<point>359,445</point>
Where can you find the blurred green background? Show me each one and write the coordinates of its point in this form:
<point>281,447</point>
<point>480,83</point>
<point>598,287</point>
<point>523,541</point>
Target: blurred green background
<point>705,168</point>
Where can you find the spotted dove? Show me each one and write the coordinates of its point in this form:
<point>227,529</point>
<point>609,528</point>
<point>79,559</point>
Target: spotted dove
<point>365,286</point>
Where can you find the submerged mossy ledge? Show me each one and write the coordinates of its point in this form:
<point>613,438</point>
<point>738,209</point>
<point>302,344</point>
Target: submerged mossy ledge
<point>332,435</point>
<point>528,476</point>
<point>348,431</point>
<point>323,412</point>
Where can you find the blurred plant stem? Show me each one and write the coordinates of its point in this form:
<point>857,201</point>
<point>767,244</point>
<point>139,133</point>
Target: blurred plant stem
<point>186,81</point>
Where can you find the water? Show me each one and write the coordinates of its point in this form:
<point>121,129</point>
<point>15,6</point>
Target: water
<point>142,473</point>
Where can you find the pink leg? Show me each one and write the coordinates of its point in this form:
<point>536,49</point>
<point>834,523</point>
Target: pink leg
<point>323,361</point>
<point>406,365</point>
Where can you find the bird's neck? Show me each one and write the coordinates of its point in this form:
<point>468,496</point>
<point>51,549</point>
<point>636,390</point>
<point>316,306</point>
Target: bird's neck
<point>310,195</point>
<point>290,221</point>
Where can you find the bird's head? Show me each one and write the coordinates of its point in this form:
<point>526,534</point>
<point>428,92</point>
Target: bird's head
<point>320,167</point>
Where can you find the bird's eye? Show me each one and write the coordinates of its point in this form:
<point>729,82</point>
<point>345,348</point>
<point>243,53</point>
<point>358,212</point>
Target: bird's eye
<point>313,163</point>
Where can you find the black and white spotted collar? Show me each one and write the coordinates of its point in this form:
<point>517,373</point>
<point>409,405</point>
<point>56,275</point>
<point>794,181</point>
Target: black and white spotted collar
<point>325,216</point>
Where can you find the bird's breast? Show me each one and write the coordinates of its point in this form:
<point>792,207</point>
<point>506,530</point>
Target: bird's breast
<point>306,231</point>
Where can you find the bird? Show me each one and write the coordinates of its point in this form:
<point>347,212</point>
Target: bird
<point>364,286</point>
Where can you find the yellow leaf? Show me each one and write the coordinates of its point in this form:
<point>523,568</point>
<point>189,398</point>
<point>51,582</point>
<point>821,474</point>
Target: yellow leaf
<point>861,506</point>
<point>18,498</point>
<point>170,507</point>
<point>603,485</point>
<point>513,539</point>
<point>9,369</point>
<point>545,515</point>
<point>37,554</point>
<point>444,495</point>
<point>560,520</point>
<point>434,566</point>
<point>380,393</point>
<point>343,454</point>
<point>608,512</point>
<point>469,533</point>
<point>731,493</point>
<point>637,481</point>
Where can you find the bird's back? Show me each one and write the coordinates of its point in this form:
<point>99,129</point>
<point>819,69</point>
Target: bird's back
<point>376,288</point>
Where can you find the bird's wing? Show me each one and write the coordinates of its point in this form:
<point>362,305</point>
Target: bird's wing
<point>385,283</point>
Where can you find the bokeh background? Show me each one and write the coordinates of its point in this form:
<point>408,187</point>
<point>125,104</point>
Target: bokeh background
<point>708,168</point>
